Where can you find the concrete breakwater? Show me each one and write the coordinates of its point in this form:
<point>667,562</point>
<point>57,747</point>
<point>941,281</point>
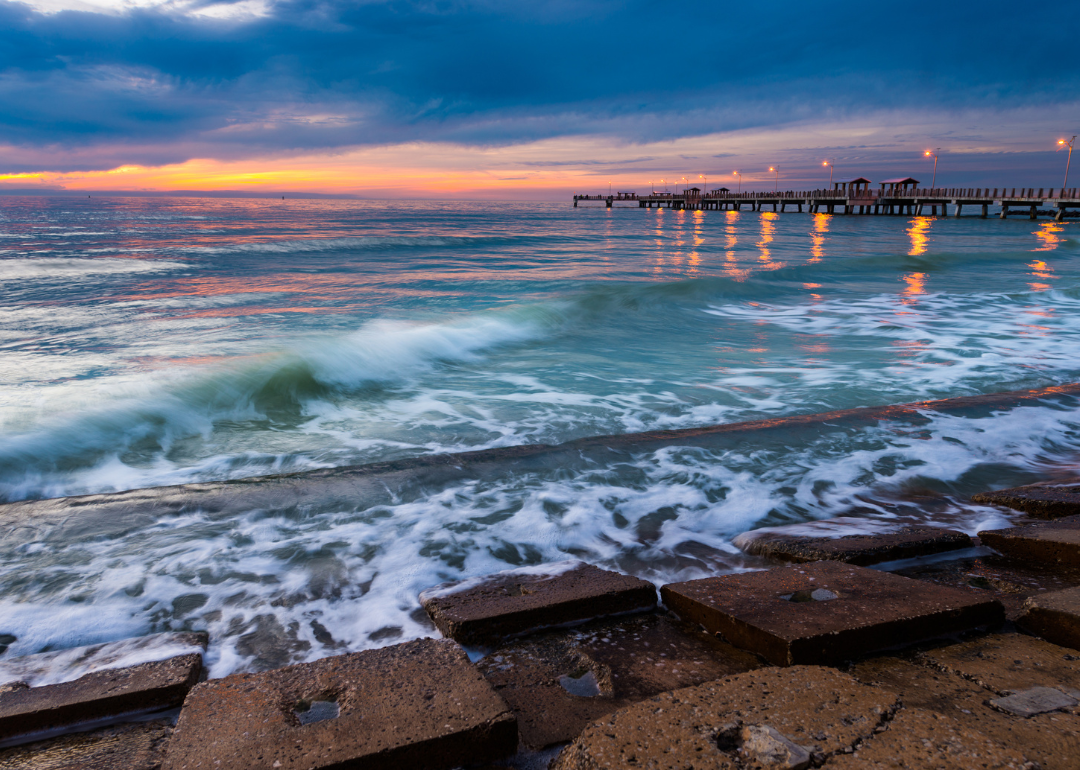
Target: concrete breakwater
<point>958,662</point>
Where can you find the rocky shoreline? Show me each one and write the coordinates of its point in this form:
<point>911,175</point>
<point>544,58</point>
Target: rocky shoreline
<point>820,661</point>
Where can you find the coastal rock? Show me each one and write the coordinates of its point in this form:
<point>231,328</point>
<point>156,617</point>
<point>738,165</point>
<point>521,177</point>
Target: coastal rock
<point>1044,500</point>
<point>764,611</point>
<point>737,722</point>
<point>415,705</point>
<point>560,681</point>
<point>98,695</point>
<point>483,611</point>
<point>1054,616</point>
<point>1035,700</point>
<point>853,549</point>
<point>1045,542</point>
<point>131,746</point>
<point>1009,663</point>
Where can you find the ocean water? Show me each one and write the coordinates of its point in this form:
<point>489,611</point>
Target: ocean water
<point>148,342</point>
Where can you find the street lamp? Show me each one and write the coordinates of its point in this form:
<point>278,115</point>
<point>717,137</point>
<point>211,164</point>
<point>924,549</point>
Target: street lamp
<point>705,182</point>
<point>776,182</point>
<point>736,173</point>
<point>933,154</point>
<point>830,165</point>
<point>1068,144</point>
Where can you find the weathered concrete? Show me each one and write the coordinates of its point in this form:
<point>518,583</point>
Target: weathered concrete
<point>560,681</point>
<point>1008,663</point>
<point>1052,740</point>
<point>826,611</point>
<point>1054,616</point>
<point>131,746</point>
<point>415,705</point>
<point>486,610</point>
<point>819,710</point>
<point>1046,542</point>
<point>1035,700</point>
<point>854,549</point>
<point>923,739</point>
<point>99,695</point>
<point>1044,500</point>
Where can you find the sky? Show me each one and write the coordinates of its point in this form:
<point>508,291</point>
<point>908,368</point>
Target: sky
<point>529,100</point>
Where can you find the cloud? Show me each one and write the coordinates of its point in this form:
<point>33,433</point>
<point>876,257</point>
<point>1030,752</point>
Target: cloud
<point>163,84</point>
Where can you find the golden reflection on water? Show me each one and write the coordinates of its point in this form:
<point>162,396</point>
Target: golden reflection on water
<point>768,230</point>
<point>698,241</point>
<point>918,233</point>
<point>817,237</point>
<point>731,269</point>
<point>1040,269</point>
<point>916,285</point>
<point>1048,236</point>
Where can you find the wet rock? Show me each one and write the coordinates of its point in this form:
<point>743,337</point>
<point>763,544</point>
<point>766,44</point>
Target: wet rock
<point>131,746</point>
<point>1044,542</point>
<point>1054,616</point>
<point>1052,740</point>
<point>1035,700</point>
<point>415,705</point>
<point>99,695</point>
<point>872,611</point>
<point>1008,663</point>
<point>557,682</point>
<point>1044,500</point>
<point>853,549</point>
<point>761,743</point>
<point>817,710</point>
<point>483,611</point>
<point>271,645</point>
<point>922,739</point>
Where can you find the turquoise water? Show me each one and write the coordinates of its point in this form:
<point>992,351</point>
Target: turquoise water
<point>148,342</point>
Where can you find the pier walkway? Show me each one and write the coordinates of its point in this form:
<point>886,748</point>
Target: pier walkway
<point>909,201</point>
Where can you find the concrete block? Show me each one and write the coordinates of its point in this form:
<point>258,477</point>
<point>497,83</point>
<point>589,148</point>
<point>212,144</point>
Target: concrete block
<point>854,549</point>
<point>130,746</point>
<point>1044,500</point>
<point>1009,663</point>
<point>483,611</point>
<point>416,705</point>
<point>826,611</point>
<point>560,681</point>
<point>1044,542</point>
<point>98,695</point>
<point>1054,616</point>
<point>739,721</point>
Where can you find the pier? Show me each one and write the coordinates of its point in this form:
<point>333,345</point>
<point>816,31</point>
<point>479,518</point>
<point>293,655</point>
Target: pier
<point>905,200</point>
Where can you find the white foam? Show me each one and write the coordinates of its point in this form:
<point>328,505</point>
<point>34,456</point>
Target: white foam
<point>71,268</point>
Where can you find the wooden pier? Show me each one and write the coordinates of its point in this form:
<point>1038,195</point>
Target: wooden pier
<point>906,201</point>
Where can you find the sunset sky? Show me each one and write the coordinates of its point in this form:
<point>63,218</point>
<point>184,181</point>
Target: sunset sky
<point>532,100</point>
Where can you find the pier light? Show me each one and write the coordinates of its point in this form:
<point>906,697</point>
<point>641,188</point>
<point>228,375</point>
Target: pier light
<point>776,181</point>
<point>1069,144</point>
<point>705,182</point>
<point>830,165</point>
<point>736,173</point>
<point>933,154</point>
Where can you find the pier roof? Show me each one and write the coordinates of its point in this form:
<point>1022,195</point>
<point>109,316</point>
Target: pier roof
<point>905,180</point>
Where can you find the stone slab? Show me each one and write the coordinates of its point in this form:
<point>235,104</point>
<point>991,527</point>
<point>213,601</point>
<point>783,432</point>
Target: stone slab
<point>821,710</point>
<point>98,695</point>
<point>854,549</point>
<point>785,615</point>
<point>130,746</point>
<point>1044,500</point>
<point>1045,542</point>
<point>1054,616</point>
<point>486,610</point>
<point>415,705</point>
<point>1052,740</point>
<point>1009,663</point>
<point>559,681</point>
<point>1035,700</point>
<point>923,739</point>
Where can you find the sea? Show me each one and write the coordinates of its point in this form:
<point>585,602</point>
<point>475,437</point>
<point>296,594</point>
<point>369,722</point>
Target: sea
<point>160,341</point>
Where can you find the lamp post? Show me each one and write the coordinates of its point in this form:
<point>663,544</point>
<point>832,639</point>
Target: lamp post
<point>705,181</point>
<point>933,153</point>
<point>776,181</point>
<point>1069,144</point>
<point>830,165</point>
<point>736,173</point>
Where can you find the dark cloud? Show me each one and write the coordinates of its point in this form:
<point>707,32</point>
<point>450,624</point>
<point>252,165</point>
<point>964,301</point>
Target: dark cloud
<point>316,75</point>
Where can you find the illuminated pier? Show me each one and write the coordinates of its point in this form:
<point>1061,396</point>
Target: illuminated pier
<point>856,197</point>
